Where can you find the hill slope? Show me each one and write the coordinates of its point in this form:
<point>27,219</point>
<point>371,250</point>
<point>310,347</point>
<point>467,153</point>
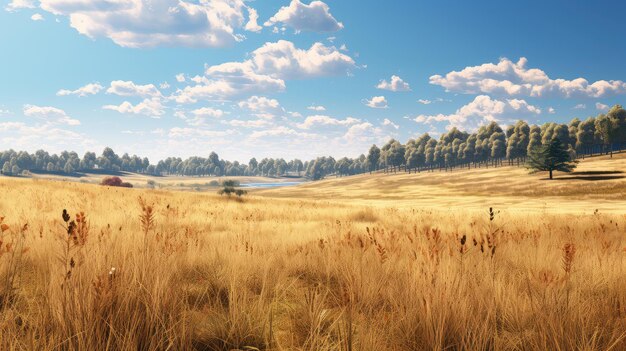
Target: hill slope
<point>598,183</point>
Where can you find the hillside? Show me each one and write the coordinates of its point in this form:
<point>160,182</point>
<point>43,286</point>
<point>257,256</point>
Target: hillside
<point>597,183</point>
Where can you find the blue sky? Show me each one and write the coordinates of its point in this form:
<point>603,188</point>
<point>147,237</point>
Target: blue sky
<point>178,78</point>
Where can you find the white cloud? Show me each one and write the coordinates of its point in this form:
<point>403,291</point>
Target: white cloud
<point>425,101</point>
<point>50,114</point>
<point>208,112</point>
<point>21,136</point>
<point>314,17</point>
<point>15,5</point>
<point>129,88</point>
<point>377,102</point>
<point>157,131</point>
<point>278,131</point>
<point>252,24</point>
<point>148,107</point>
<point>601,107</point>
<point>180,78</point>
<point>483,110</point>
<point>178,132</point>
<point>394,84</point>
<point>265,72</point>
<point>316,108</point>
<point>151,23</point>
<point>262,107</point>
<point>229,80</point>
<point>201,115</point>
<point>164,85</point>
<point>580,107</point>
<point>248,124</point>
<point>551,110</point>
<point>326,121</point>
<point>388,122</point>
<point>89,89</point>
<point>283,60</point>
<point>37,17</point>
<point>515,79</point>
<point>364,133</point>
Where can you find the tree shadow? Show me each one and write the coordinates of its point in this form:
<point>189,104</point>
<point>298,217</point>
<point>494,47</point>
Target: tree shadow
<point>59,173</point>
<point>597,172</point>
<point>592,178</point>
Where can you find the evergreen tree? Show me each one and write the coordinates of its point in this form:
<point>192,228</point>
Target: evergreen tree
<point>551,157</point>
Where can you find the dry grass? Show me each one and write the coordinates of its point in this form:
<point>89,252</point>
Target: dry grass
<point>158,270</point>
<point>599,183</point>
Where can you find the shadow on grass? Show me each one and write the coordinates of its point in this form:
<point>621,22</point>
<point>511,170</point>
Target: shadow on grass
<point>73,174</point>
<point>591,178</point>
<point>597,172</point>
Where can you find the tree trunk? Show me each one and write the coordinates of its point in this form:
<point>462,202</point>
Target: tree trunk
<point>550,174</point>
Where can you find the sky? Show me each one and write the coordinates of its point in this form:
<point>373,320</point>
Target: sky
<point>295,79</point>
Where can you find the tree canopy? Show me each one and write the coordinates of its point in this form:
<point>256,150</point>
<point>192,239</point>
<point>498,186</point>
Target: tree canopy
<point>551,157</point>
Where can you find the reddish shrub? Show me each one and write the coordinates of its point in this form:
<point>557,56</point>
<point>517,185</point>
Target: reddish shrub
<point>115,181</point>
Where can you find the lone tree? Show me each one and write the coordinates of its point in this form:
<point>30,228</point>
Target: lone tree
<point>551,157</point>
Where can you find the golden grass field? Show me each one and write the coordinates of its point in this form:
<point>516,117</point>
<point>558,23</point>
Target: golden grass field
<point>185,183</point>
<point>380,262</point>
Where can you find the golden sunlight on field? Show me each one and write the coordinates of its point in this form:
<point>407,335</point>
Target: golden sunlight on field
<point>139,269</point>
<point>597,183</point>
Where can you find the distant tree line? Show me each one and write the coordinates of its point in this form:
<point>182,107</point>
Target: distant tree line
<point>490,146</point>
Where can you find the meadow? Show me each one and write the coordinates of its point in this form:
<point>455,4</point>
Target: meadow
<point>464,260</point>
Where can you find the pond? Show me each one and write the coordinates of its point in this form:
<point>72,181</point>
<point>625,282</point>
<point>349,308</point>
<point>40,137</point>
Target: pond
<point>269,185</point>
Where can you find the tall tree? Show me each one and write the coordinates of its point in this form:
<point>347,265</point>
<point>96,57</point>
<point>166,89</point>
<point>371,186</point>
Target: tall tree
<point>373,158</point>
<point>551,157</point>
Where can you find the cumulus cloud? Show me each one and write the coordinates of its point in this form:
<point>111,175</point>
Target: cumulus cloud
<point>89,89</point>
<point>148,107</point>
<point>283,60</point>
<point>37,17</point>
<point>258,123</point>
<point>387,122</point>
<point>394,84</point>
<point>482,110</point>
<point>601,107</point>
<point>314,17</point>
<point>265,72</point>
<point>551,110</point>
<point>151,23</point>
<point>326,121</point>
<point>15,5</point>
<point>377,102</point>
<point>516,79</point>
<point>316,108</point>
<point>262,107</point>
<point>180,78</point>
<point>364,133</point>
<point>200,116</point>
<point>252,24</point>
<point>50,115</point>
<point>208,112</point>
<point>229,80</point>
<point>129,88</point>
